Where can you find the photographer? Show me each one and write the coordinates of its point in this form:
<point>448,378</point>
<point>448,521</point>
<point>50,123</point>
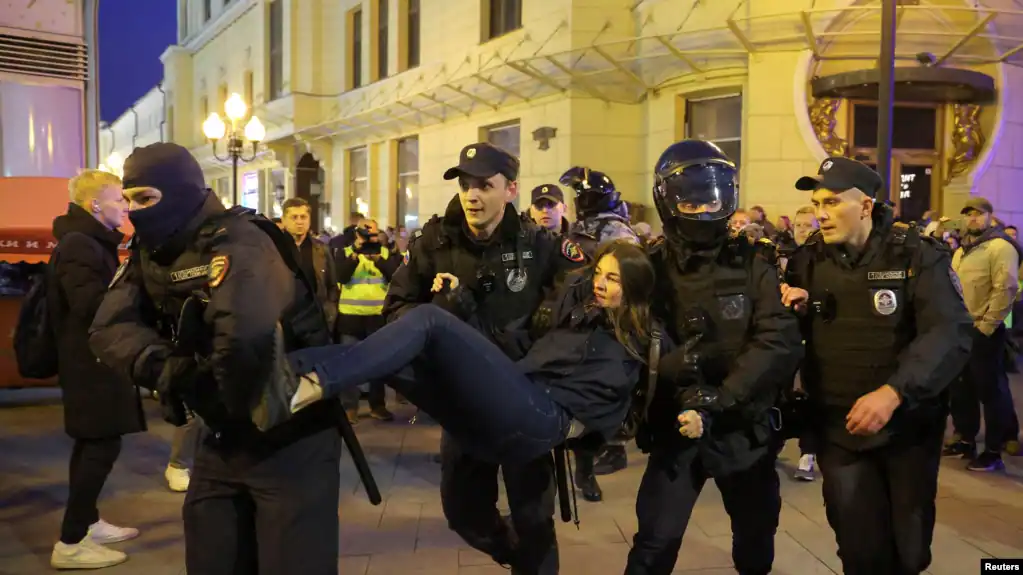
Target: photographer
<point>364,271</point>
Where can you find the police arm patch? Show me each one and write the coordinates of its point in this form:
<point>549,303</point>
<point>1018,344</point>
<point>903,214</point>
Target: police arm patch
<point>219,267</point>
<point>571,251</point>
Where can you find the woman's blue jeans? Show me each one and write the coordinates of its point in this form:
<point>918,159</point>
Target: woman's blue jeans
<point>455,374</point>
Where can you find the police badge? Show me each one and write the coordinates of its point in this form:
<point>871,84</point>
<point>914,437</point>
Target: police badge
<point>885,302</point>
<point>516,280</point>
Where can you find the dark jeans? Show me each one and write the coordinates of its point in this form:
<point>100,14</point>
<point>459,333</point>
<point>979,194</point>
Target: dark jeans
<point>985,382</point>
<point>880,504</point>
<point>671,485</point>
<point>807,444</point>
<point>459,377</point>
<point>248,511</point>
<point>352,329</point>
<point>468,492</point>
<point>91,462</point>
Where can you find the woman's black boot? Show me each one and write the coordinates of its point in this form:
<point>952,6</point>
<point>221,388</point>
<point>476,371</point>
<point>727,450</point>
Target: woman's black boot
<point>585,480</point>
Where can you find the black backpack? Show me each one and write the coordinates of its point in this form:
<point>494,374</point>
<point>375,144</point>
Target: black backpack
<point>35,343</point>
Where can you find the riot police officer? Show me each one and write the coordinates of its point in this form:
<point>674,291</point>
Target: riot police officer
<point>886,331</point>
<point>718,295</point>
<point>507,266</point>
<point>257,502</point>
<point>601,216</point>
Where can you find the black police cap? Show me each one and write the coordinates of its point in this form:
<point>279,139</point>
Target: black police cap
<point>484,160</point>
<point>547,192</point>
<point>839,174</point>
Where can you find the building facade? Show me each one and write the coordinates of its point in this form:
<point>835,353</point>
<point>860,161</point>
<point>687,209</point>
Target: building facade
<point>367,102</point>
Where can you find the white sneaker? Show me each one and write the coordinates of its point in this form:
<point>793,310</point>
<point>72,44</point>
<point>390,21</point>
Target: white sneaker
<point>177,478</point>
<point>86,554</point>
<point>104,533</point>
<point>807,466</point>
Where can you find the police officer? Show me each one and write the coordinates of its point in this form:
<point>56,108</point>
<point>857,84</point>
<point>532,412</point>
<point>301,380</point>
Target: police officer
<point>886,332</point>
<point>256,502</point>
<point>601,216</point>
<point>508,266</point>
<point>718,296</point>
<point>547,208</point>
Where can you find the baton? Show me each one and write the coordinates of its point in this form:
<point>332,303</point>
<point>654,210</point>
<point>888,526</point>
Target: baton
<point>561,476</point>
<point>359,458</point>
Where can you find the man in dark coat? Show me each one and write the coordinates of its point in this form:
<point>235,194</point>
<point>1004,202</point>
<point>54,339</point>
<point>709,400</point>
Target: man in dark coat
<point>99,405</point>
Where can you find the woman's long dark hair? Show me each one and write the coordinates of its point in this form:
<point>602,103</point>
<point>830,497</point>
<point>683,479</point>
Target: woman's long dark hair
<point>631,320</point>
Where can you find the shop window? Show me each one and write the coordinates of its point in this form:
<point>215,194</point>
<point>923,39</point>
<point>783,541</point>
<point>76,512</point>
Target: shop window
<point>358,180</point>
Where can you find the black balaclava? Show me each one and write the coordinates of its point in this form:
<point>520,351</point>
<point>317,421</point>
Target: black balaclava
<point>171,169</point>
<point>700,234</point>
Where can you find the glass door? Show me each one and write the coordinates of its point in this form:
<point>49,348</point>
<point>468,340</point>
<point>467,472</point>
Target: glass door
<point>916,183</point>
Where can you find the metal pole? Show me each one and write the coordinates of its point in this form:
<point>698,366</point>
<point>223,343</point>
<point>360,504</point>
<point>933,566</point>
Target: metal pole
<point>886,96</point>
<point>234,177</point>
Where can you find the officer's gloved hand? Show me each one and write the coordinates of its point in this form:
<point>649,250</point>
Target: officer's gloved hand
<point>705,399</point>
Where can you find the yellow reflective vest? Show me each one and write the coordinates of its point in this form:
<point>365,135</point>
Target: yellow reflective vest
<point>364,294</point>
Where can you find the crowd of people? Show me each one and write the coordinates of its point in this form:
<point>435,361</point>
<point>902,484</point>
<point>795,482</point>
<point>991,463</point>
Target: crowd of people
<point>526,336</point>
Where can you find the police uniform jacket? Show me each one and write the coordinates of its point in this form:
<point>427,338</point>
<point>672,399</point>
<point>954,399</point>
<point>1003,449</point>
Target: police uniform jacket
<point>891,314</point>
<point>749,348</point>
<point>241,268</point>
<point>502,280</point>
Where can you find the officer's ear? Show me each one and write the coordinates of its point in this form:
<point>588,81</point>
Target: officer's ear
<point>513,190</point>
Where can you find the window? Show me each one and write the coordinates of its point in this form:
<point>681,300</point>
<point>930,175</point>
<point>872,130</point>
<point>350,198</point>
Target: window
<point>913,128</point>
<point>717,120</point>
<point>168,133</point>
<point>276,87</point>
<point>412,35</point>
<point>358,180</point>
<point>504,16</point>
<point>207,10</point>
<point>408,183</point>
<point>182,19</point>
<point>248,89</point>
<point>278,179</point>
<point>505,136</point>
<point>221,99</point>
<point>382,17</point>
<point>355,52</point>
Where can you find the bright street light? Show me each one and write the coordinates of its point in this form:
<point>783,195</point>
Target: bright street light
<point>215,129</point>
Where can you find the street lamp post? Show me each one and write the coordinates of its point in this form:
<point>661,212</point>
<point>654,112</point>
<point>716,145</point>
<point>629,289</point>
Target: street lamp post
<point>215,129</point>
<point>886,96</point>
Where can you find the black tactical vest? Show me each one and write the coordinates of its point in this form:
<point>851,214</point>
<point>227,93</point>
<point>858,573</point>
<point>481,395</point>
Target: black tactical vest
<point>861,320</point>
<point>169,285</point>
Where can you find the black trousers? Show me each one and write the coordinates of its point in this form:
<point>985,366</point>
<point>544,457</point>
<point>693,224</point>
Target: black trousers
<point>91,462</point>
<point>274,515</point>
<point>469,491</point>
<point>667,494</point>
<point>880,504</point>
<point>985,382</point>
<point>350,329</point>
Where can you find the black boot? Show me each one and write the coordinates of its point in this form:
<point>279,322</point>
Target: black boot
<point>585,480</point>
<point>611,459</point>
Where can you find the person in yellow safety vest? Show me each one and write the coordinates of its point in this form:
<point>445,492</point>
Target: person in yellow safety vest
<point>364,271</point>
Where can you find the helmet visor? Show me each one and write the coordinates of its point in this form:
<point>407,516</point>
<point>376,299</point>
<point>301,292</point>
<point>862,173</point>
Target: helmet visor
<point>699,192</point>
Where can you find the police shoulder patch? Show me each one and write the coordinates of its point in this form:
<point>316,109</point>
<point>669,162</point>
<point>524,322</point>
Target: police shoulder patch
<point>571,251</point>
<point>121,269</point>
<point>219,267</point>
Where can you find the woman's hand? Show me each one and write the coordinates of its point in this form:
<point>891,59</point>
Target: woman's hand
<point>438,282</point>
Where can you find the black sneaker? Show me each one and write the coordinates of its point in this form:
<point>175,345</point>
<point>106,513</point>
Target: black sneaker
<point>612,459</point>
<point>963,449</point>
<point>987,461</point>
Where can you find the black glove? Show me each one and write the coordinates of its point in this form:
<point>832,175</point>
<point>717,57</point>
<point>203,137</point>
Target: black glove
<point>705,399</point>
<point>460,301</point>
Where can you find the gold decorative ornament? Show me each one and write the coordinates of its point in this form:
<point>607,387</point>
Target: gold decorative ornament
<point>967,139</point>
<point>822,116</point>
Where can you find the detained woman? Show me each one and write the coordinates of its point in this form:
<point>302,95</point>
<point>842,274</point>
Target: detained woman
<point>576,378</point>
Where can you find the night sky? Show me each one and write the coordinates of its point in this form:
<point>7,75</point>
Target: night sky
<point>132,35</point>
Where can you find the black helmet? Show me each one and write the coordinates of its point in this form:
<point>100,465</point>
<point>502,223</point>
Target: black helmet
<point>595,193</point>
<point>695,180</point>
